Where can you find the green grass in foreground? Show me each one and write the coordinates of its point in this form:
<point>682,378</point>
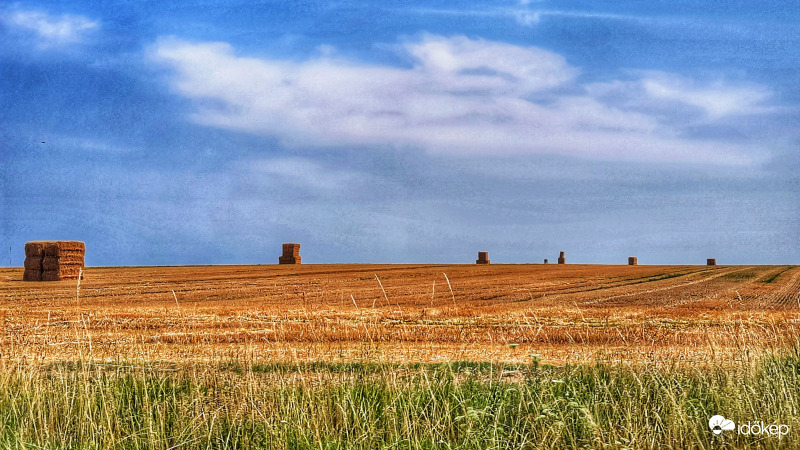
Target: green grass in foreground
<point>371,405</point>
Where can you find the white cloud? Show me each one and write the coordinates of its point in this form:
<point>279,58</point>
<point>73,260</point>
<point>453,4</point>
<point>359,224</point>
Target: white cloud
<point>462,96</point>
<point>49,31</point>
<point>300,172</point>
<point>717,99</point>
<point>523,14</point>
<point>713,100</point>
<point>527,18</point>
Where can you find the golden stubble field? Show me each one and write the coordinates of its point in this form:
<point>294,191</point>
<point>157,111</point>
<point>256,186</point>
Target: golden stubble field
<point>404,313</point>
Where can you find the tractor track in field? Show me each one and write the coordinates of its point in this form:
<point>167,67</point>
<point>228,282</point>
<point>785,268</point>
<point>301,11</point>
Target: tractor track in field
<point>676,300</point>
<point>670,281</point>
<point>788,295</point>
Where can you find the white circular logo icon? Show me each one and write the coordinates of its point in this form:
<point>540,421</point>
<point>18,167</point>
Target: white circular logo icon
<point>718,424</point>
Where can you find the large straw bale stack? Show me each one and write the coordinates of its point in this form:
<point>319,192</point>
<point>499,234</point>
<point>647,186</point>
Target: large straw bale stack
<point>711,262</point>
<point>633,261</point>
<point>483,258</point>
<point>291,254</point>
<point>561,258</point>
<point>53,260</point>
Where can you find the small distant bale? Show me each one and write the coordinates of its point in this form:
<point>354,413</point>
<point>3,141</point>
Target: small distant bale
<point>711,262</point>
<point>291,254</point>
<point>561,258</point>
<point>633,261</point>
<point>53,260</point>
<point>483,258</point>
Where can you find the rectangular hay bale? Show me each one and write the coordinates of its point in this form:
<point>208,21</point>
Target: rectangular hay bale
<point>54,263</point>
<point>64,273</point>
<point>59,248</point>
<point>70,271</point>
<point>50,275</point>
<point>32,275</point>
<point>34,248</point>
<point>34,263</point>
<point>50,263</point>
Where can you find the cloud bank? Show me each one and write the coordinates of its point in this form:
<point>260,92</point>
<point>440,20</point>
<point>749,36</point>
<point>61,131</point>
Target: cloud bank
<point>463,96</point>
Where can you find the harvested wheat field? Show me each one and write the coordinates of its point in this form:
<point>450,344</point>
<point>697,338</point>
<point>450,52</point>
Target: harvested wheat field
<point>403,313</point>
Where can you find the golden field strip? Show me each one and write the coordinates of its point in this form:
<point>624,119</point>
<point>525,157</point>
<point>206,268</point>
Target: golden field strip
<point>404,313</point>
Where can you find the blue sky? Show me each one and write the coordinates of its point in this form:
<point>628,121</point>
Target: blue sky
<point>203,132</point>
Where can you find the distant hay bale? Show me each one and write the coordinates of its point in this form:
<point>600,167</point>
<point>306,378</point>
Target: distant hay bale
<point>483,258</point>
<point>561,258</point>
<point>633,261</point>
<point>290,248</point>
<point>291,254</point>
<point>711,262</point>
<point>53,260</point>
